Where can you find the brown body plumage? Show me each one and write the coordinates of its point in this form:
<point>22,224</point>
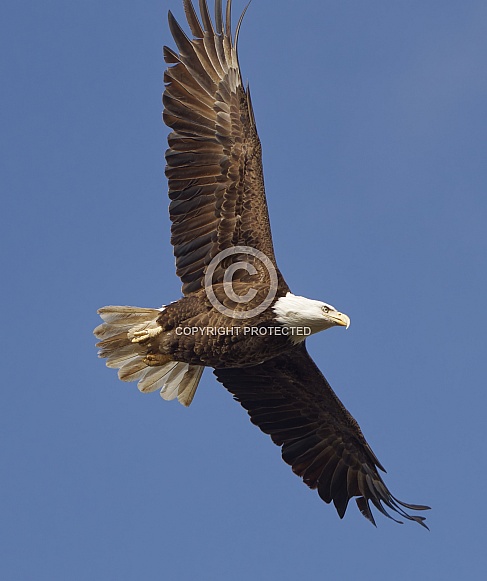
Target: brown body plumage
<point>218,204</point>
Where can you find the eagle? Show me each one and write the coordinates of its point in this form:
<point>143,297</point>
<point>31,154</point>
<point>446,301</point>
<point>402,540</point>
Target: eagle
<point>237,315</point>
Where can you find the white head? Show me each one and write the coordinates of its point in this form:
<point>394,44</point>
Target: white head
<point>293,311</point>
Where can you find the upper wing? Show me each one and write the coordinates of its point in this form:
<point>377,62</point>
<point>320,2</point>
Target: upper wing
<point>289,399</point>
<point>214,163</point>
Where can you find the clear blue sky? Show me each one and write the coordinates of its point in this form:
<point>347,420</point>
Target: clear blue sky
<point>373,122</point>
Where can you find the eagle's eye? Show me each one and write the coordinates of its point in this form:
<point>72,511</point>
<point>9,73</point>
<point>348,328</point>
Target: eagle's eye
<point>325,309</point>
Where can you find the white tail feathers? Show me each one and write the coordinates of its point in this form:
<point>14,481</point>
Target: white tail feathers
<point>122,344</point>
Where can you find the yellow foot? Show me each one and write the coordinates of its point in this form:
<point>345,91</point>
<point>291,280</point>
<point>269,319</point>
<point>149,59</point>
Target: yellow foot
<point>154,359</point>
<point>144,335</point>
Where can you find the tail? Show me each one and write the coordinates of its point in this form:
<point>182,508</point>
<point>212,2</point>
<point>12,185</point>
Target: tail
<point>123,335</point>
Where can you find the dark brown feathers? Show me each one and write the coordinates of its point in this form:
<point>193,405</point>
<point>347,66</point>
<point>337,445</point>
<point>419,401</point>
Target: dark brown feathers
<point>289,399</point>
<point>214,163</point>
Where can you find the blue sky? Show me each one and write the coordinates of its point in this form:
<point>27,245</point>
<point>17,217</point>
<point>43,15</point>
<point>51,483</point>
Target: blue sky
<point>372,119</point>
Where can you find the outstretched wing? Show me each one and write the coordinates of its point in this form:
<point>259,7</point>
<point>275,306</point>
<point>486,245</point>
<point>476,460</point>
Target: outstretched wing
<point>214,163</point>
<point>289,399</point>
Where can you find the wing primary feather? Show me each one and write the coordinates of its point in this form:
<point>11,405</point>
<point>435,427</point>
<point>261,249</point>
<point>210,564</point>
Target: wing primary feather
<point>170,56</point>
<point>239,24</point>
<point>206,18</point>
<point>364,508</point>
<point>182,41</point>
<point>228,21</point>
<point>218,16</point>
<point>382,510</point>
<point>340,500</point>
<point>411,506</point>
<point>192,18</point>
<point>338,480</point>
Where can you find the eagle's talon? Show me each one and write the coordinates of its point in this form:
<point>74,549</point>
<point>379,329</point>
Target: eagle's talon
<point>155,359</point>
<point>144,335</point>
<point>139,336</point>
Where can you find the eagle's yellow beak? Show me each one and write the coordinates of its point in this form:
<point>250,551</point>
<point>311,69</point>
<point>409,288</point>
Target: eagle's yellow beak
<point>340,319</point>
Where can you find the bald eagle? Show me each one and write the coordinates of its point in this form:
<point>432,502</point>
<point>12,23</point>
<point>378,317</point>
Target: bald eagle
<point>237,314</point>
